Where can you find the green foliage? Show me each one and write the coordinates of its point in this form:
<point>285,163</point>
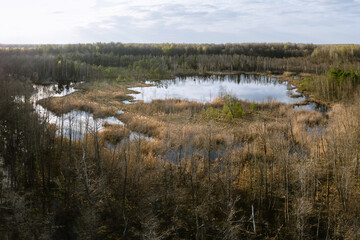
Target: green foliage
<point>153,68</point>
<point>110,72</point>
<point>181,60</point>
<point>121,79</point>
<point>226,110</point>
<point>304,85</point>
<point>238,110</point>
<point>253,106</point>
<point>167,48</point>
<point>227,113</point>
<point>229,116</point>
<point>192,63</point>
<point>339,75</point>
<point>232,108</point>
<point>336,85</point>
<point>211,113</point>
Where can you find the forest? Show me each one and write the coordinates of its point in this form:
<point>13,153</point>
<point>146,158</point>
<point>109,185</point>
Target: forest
<point>177,168</point>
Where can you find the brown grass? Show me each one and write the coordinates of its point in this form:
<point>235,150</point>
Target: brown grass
<point>258,145</point>
<point>301,103</point>
<point>144,125</point>
<point>114,133</point>
<point>176,123</point>
<point>310,118</point>
<point>100,98</point>
<point>295,95</point>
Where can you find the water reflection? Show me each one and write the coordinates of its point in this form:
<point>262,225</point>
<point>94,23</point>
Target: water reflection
<point>73,124</point>
<point>53,90</point>
<point>312,106</point>
<point>255,88</point>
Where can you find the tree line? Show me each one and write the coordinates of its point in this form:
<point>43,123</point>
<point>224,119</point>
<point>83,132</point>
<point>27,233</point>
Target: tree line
<point>79,62</point>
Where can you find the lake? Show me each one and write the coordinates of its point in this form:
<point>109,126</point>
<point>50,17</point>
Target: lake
<point>254,88</point>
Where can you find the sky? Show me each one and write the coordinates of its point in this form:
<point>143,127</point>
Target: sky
<point>179,21</point>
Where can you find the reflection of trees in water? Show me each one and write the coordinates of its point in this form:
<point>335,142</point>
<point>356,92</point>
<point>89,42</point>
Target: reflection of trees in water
<point>239,79</point>
<point>313,106</point>
<point>61,87</point>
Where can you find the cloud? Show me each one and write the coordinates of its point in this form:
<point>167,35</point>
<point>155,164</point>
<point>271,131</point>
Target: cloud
<point>318,21</point>
<point>57,12</point>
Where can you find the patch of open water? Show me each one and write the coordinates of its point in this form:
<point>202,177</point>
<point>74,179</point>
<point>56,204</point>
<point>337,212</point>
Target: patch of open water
<point>254,88</point>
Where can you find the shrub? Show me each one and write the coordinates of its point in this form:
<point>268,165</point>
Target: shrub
<point>232,108</point>
<point>238,110</point>
<point>211,113</point>
<point>253,106</point>
<point>229,116</point>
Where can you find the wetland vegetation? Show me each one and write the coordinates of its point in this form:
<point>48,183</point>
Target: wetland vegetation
<point>179,141</point>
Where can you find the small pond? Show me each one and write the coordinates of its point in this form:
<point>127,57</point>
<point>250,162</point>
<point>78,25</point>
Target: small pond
<point>203,89</point>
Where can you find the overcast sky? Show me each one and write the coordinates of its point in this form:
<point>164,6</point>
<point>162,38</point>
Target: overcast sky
<point>179,21</point>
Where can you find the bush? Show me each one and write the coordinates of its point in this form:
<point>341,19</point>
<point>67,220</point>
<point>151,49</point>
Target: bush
<point>229,116</point>
<point>211,113</point>
<point>226,112</point>
<point>232,108</point>
<point>238,110</point>
<point>253,106</point>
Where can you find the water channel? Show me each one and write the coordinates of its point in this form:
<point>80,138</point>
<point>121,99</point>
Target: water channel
<point>75,123</point>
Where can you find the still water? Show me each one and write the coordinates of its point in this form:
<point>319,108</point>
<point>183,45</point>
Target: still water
<point>254,88</point>
<point>74,123</point>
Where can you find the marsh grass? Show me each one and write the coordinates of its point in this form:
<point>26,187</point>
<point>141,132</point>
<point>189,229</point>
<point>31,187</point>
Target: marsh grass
<point>114,134</point>
<point>310,118</point>
<point>254,151</point>
<point>101,98</point>
<point>144,125</point>
<point>181,124</point>
<point>295,95</point>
